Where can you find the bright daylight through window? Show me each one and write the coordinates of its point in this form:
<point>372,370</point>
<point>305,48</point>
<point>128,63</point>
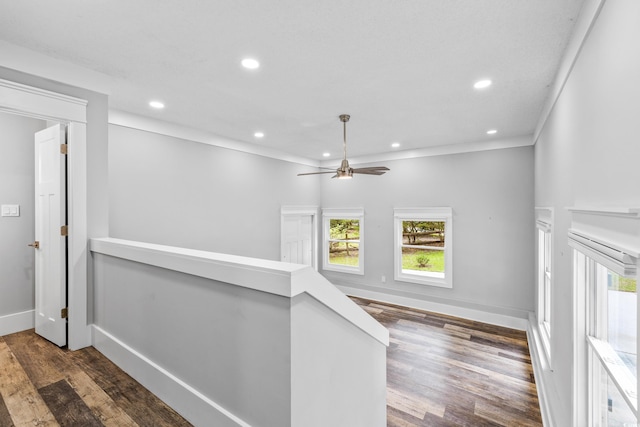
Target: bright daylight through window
<point>609,282</point>
<point>423,246</point>
<point>343,239</point>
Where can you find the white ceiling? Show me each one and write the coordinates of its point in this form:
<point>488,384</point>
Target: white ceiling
<point>403,69</point>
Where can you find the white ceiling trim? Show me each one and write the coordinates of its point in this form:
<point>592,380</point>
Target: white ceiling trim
<point>134,121</point>
<point>441,150</point>
<point>587,18</point>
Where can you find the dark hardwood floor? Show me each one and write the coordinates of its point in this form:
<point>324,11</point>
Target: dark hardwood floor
<point>447,371</point>
<point>43,385</point>
<point>441,371</point>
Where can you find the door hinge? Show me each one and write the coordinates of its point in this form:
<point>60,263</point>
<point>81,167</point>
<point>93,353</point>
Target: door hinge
<point>64,230</point>
<point>64,313</point>
<point>63,148</point>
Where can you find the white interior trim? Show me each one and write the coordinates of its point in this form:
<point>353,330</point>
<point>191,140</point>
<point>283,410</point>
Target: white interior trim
<point>34,102</point>
<point>41,104</point>
<point>133,121</point>
<point>16,322</point>
<point>519,323</point>
<point>546,392</point>
<point>587,18</point>
<point>440,150</point>
<point>198,408</point>
<point>278,278</point>
<point>632,213</point>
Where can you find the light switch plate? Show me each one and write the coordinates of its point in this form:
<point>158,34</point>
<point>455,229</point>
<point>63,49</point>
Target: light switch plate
<point>10,210</point>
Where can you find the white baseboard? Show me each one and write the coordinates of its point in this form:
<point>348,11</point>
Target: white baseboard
<point>540,365</point>
<point>465,313</point>
<point>17,322</point>
<point>187,401</point>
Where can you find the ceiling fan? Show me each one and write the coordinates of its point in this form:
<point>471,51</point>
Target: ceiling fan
<point>345,171</point>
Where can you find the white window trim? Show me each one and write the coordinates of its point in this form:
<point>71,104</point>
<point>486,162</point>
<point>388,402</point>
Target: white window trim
<point>544,223</point>
<point>342,213</point>
<point>605,236</point>
<point>431,214</point>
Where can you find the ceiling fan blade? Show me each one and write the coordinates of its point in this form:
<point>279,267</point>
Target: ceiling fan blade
<point>370,172</point>
<point>317,173</point>
<point>374,170</point>
<point>335,176</point>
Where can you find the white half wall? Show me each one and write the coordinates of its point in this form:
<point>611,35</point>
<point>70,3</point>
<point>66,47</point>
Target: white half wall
<point>229,340</point>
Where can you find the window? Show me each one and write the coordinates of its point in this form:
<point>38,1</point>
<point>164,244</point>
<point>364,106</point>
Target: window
<point>544,280</point>
<point>343,231</point>
<point>423,246</point>
<point>608,279</point>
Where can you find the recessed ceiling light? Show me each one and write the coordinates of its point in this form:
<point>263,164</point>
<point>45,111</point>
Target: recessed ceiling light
<point>258,134</point>
<point>250,63</point>
<point>156,104</point>
<point>326,154</point>
<point>395,145</point>
<point>482,84</point>
<point>492,132</point>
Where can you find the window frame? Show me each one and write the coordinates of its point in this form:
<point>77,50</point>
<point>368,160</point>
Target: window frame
<point>592,256</point>
<point>444,214</point>
<point>545,279</point>
<point>342,213</point>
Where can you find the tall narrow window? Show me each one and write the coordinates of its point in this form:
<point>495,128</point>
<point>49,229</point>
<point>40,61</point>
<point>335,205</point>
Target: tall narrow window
<point>343,231</point>
<point>544,294</point>
<point>609,279</point>
<point>423,246</point>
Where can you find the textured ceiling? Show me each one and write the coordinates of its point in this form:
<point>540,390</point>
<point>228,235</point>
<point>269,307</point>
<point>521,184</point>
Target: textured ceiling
<point>403,69</point>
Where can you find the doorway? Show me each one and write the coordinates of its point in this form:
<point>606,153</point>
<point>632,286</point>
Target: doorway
<point>41,104</point>
<point>298,235</point>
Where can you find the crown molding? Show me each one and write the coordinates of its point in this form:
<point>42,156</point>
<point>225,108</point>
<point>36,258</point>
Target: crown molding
<point>440,150</point>
<point>134,121</point>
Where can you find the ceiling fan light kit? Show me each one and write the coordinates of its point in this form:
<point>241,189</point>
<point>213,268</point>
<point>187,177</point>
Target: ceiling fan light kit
<point>345,171</point>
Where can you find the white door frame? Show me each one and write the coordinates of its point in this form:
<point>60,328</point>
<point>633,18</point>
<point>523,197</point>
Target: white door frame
<point>297,211</point>
<point>33,102</point>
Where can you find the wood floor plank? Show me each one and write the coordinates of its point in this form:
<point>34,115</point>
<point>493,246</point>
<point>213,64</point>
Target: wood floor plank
<point>21,398</point>
<point>5,417</point>
<point>455,371</point>
<point>102,406</point>
<point>414,404</point>
<point>505,416</point>
<point>34,355</point>
<point>138,403</point>
<point>67,407</point>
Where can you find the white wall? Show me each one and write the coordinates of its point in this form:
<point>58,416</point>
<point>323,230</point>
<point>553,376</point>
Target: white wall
<point>588,155</point>
<point>171,191</point>
<point>17,187</point>
<point>491,193</point>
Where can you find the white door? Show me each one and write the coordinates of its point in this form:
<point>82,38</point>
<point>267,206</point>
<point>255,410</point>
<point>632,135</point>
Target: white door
<point>297,239</point>
<point>50,213</point>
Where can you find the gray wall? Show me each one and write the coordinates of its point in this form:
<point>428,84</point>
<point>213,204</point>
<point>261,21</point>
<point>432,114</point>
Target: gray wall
<point>491,194</point>
<point>171,191</point>
<point>175,192</point>
<point>17,187</point>
<point>587,155</point>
